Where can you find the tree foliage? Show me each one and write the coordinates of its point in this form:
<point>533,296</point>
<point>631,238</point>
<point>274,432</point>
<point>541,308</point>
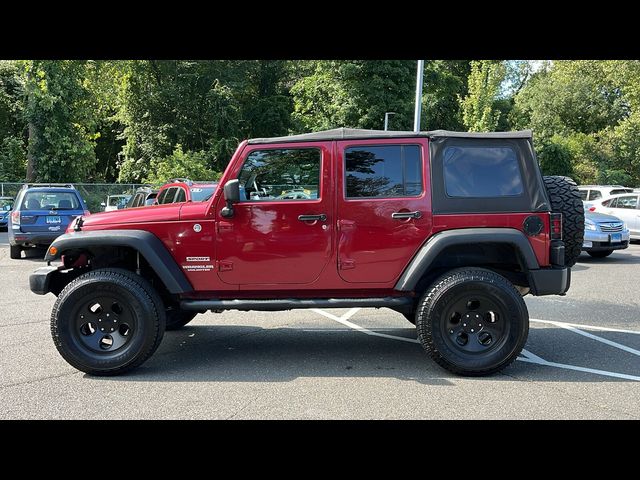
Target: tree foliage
<point>479,112</point>
<point>180,164</point>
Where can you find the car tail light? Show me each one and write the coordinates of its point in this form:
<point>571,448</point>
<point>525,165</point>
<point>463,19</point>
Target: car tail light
<point>15,218</point>
<point>592,209</point>
<point>556,226</point>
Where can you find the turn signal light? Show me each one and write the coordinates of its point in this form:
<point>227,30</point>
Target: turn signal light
<point>556,226</point>
<point>53,251</point>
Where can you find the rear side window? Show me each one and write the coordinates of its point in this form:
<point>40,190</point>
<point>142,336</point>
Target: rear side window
<point>583,194</point>
<point>383,172</point>
<point>621,190</point>
<point>627,202</point>
<point>481,172</point>
<point>43,200</point>
<point>595,194</point>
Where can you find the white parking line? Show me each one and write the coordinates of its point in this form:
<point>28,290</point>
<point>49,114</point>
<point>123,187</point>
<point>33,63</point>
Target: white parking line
<point>526,356</point>
<point>343,320</point>
<point>587,327</point>
<point>595,337</point>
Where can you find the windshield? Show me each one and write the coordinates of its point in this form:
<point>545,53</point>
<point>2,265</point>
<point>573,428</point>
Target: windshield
<point>200,194</point>
<point>38,200</point>
<point>6,204</point>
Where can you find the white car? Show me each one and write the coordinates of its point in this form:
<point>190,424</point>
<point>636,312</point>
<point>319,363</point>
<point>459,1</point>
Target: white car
<point>590,193</point>
<point>625,207</point>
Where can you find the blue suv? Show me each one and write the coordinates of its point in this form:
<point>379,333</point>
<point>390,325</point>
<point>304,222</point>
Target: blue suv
<point>41,213</point>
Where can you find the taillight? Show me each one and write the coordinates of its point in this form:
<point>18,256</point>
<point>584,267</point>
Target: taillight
<point>556,226</point>
<point>15,217</point>
<point>592,209</point>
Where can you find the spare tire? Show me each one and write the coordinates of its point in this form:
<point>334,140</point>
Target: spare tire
<point>565,199</point>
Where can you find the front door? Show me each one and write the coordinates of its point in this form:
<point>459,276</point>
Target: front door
<point>281,230</point>
<point>384,207</point>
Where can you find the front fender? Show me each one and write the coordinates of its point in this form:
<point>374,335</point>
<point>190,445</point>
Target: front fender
<point>149,246</point>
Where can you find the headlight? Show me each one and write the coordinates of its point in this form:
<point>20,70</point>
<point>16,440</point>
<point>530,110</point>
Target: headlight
<point>589,225</point>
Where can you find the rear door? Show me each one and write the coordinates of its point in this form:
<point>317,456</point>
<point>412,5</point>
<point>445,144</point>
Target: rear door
<point>383,206</point>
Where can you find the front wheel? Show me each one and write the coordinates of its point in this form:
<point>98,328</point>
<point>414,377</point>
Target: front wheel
<point>472,322</point>
<point>107,321</point>
<point>600,253</point>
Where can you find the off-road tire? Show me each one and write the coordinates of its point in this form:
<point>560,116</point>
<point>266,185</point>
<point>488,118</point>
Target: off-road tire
<point>455,286</point>
<point>600,253</point>
<point>177,318</point>
<point>15,252</point>
<point>138,298</point>
<point>565,199</point>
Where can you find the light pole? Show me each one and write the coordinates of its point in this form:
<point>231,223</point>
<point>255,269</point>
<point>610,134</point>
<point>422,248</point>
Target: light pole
<point>416,117</point>
<point>386,120</point>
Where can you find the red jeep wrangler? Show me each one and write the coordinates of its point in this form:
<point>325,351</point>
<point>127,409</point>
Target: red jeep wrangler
<point>450,229</point>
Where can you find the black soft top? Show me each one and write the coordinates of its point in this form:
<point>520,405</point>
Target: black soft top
<point>357,133</point>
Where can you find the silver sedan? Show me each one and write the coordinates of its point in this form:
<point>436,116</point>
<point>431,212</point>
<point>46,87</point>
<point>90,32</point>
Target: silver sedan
<point>603,234</point>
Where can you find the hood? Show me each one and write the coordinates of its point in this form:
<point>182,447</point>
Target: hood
<point>600,217</point>
<point>153,213</point>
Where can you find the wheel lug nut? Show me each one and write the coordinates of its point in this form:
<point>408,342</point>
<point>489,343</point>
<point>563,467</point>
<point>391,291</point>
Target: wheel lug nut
<point>451,331</point>
<point>472,330</point>
<point>464,324</point>
<point>102,329</point>
<point>479,324</point>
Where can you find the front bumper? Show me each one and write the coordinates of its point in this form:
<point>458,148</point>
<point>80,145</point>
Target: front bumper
<point>40,280</point>
<point>594,241</point>
<point>550,281</point>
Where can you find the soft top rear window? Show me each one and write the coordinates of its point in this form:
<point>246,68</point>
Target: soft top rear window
<point>481,172</point>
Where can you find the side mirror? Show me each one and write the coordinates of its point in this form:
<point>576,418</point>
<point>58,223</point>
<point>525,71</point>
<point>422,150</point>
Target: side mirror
<point>231,195</point>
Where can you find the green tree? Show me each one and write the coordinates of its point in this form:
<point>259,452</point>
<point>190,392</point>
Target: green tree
<point>354,94</point>
<point>479,112</point>
<point>61,130</point>
<point>13,153</point>
<point>192,165</point>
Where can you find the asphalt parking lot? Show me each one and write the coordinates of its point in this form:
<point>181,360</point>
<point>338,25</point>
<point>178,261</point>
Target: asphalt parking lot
<point>582,361</point>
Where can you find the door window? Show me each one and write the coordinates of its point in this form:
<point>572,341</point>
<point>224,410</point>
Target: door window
<point>627,202</point>
<point>281,175</point>
<point>388,171</point>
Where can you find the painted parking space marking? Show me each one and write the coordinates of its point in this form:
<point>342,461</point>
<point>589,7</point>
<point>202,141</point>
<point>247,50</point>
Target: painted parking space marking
<point>587,327</point>
<point>526,356</point>
<point>596,338</point>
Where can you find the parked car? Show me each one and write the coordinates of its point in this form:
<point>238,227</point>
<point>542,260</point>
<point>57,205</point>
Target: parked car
<point>626,207</point>
<point>597,192</point>
<point>184,190</point>
<point>41,213</point>
<point>603,234</point>
<point>115,202</point>
<point>144,196</point>
<point>449,229</point>
<point>6,203</point>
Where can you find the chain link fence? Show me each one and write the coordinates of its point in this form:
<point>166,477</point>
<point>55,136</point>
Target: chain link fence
<point>94,194</point>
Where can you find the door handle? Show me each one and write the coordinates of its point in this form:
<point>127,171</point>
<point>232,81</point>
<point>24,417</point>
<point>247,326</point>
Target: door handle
<point>405,215</point>
<point>311,218</point>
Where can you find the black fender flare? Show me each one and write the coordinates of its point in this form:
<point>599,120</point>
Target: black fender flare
<point>149,246</point>
<point>428,253</point>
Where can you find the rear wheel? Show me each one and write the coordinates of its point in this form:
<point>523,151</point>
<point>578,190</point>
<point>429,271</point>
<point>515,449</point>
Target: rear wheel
<point>565,199</point>
<point>107,321</point>
<point>472,322</point>
<point>600,253</point>
<point>15,252</point>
